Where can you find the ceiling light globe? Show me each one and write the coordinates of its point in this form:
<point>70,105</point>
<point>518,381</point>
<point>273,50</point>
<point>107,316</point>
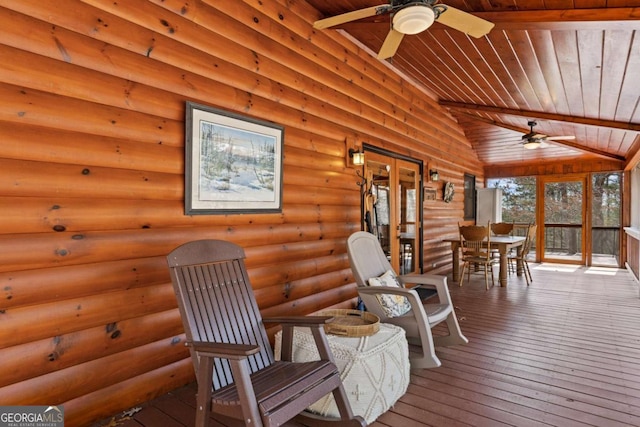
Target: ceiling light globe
<point>532,145</point>
<point>413,20</point>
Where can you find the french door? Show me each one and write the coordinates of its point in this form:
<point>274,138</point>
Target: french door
<point>563,229</point>
<point>392,204</point>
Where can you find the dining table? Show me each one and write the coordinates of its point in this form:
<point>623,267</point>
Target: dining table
<point>503,244</point>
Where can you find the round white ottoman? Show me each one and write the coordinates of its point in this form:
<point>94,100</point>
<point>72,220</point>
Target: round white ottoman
<point>374,369</point>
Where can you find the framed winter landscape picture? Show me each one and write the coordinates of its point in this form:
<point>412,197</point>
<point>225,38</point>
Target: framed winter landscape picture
<point>233,164</point>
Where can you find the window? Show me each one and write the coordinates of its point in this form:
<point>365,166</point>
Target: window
<point>469,197</point>
<point>518,198</point>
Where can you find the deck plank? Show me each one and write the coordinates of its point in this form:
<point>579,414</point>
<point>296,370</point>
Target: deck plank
<point>564,351</point>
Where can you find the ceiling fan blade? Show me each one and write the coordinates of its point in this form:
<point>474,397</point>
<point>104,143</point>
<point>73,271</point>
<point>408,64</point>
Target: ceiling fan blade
<point>561,138</point>
<point>465,22</point>
<point>350,16</point>
<point>390,45</point>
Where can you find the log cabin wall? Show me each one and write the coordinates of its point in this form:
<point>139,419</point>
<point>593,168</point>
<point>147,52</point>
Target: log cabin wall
<point>92,105</point>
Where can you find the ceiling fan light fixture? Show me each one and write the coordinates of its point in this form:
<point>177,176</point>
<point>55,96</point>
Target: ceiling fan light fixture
<point>532,145</point>
<point>413,19</point>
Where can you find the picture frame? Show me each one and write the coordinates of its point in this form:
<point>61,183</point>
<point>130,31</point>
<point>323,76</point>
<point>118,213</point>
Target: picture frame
<point>430,194</point>
<point>233,163</point>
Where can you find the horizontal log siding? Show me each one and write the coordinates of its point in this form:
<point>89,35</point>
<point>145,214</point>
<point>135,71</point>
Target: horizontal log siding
<point>92,179</point>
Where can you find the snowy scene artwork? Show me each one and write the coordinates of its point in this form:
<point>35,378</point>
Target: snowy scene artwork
<point>233,163</point>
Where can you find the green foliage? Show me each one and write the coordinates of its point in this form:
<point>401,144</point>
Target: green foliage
<point>606,199</point>
<point>518,198</point>
<point>563,200</point>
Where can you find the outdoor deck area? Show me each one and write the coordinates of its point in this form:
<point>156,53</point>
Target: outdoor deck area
<point>564,351</point>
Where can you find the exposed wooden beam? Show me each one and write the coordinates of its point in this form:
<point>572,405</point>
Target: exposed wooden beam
<point>633,154</point>
<point>620,18</point>
<point>570,144</point>
<point>542,115</point>
<point>493,122</point>
<point>624,18</point>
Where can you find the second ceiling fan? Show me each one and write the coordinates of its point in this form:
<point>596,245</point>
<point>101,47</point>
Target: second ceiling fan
<point>412,17</point>
<point>533,140</point>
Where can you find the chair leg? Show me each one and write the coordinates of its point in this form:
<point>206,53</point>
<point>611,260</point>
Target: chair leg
<point>311,419</point>
<point>493,278</point>
<point>527,271</point>
<point>203,398</point>
<point>455,336</point>
<point>428,359</point>
<point>464,265</point>
<point>486,276</point>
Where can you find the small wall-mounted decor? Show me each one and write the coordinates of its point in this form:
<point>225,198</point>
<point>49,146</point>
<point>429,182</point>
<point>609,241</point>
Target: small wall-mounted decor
<point>430,194</point>
<point>448,192</point>
<point>233,163</point>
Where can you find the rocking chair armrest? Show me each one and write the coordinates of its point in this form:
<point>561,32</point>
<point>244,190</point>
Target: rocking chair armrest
<point>299,320</point>
<point>434,280</point>
<point>379,290</point>
<point>429,281</point>
<point>223,350</point>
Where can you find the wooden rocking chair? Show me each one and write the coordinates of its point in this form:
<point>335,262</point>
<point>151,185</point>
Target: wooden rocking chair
<point>233,360</point>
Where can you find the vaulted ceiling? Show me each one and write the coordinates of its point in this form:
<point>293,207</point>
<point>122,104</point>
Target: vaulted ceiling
<point>573,66</point>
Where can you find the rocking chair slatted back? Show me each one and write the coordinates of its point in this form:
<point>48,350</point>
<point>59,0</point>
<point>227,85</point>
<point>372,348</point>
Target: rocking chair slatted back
<point>211,297</point>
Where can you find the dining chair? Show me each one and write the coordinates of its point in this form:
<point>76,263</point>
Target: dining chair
<point>475,244</point>
<point>513,259</point>
<point>500,229</point>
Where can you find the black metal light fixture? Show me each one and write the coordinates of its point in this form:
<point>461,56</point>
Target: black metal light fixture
<point>433,174</point>
<point>356,156</point>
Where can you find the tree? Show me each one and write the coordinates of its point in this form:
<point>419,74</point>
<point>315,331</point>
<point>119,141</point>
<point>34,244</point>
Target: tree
<point>518,198</point>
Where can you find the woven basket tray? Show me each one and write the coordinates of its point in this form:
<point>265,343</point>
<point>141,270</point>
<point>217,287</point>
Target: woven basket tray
<point>351,323</point>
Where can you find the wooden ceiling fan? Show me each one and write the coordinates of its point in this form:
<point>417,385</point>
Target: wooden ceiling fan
<point>412,17</point>
<point>533,140</point>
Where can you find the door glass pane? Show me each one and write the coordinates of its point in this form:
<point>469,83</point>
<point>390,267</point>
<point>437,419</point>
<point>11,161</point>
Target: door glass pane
<point>605,213</point>
<point>407,216</point>
<point>518,204</point>
<point>563,220</point>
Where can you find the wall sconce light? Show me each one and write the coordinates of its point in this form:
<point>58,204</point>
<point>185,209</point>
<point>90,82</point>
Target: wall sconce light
<point>356,156</point>
<point>433,174</point>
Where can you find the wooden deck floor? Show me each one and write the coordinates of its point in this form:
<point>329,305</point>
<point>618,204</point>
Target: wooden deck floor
<point>564,351</point>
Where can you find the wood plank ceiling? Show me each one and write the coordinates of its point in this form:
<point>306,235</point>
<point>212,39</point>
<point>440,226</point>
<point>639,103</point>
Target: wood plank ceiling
<point>573,66</point>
